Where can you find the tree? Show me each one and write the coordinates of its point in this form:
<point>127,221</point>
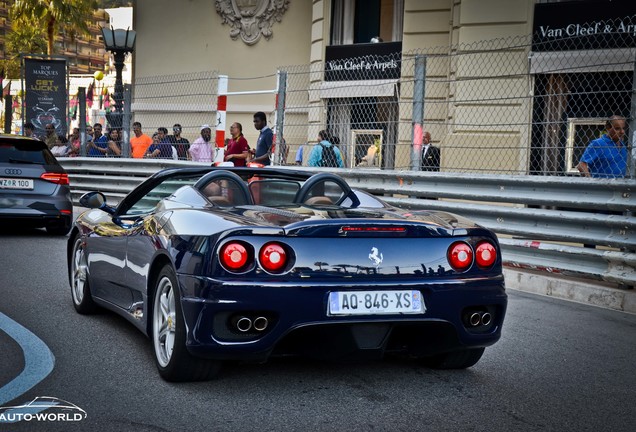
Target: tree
<point>25,36</point>
<point>55,14</point>
<point>114,3</point>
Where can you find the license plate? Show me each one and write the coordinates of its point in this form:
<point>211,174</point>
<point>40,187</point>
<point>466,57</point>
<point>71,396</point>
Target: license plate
<point>375,302</point>
<point>11,183</point>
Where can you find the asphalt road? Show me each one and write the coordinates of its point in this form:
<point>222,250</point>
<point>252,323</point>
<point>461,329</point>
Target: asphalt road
<point>559,366</point>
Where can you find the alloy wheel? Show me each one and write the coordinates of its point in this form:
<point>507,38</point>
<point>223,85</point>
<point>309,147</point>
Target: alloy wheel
<point>79,271</point>
<point>164,321</point>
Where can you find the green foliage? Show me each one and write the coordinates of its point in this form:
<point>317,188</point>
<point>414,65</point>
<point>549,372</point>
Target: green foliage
<point>104,4</point>
<point>26,36</point>
<point>52,15</point>
<point>11,67</point>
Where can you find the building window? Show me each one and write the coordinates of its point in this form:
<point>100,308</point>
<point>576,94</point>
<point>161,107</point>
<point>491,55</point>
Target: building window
<point>355,22</point>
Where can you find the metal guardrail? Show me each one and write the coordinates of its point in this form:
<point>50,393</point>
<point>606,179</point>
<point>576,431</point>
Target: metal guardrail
<point>542,222</point>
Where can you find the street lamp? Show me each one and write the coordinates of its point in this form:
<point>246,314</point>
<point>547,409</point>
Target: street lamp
<point>119,42</point>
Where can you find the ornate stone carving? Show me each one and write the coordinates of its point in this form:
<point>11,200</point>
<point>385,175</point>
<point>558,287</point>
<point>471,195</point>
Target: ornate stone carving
<point>251,19</point>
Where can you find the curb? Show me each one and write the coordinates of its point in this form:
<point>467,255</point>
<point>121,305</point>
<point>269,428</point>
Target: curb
<point>576,290</point>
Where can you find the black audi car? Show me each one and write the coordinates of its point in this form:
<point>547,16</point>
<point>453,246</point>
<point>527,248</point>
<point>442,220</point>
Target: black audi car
<point>34,187</point>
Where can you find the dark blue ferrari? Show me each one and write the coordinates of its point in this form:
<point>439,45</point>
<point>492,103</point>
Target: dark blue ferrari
<point>240,264</point>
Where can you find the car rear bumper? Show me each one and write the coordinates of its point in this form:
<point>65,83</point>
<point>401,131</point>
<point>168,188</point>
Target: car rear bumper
<point>296,320</point>
<point>36,211</point>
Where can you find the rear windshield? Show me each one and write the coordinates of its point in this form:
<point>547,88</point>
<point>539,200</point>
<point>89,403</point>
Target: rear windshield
<point>25,153</point>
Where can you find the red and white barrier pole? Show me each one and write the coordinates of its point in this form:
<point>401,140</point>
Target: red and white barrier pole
<point>221,109</point>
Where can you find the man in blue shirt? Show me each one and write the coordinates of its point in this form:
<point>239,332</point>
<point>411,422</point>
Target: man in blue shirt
<point>161,148</point>
<point>99,146</point>
<point>606,157</point>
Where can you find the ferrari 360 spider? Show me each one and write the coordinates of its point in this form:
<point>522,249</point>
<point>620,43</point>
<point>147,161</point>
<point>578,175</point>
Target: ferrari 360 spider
<point>241,264</point>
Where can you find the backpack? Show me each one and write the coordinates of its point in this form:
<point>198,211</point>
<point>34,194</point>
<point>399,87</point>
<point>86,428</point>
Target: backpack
<point>329,158</point>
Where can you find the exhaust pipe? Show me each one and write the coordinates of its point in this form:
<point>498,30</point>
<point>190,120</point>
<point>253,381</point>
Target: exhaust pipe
<point>260,323</point>
<point>475,319</point>
<point>486,318</point>
<point>243,324</point>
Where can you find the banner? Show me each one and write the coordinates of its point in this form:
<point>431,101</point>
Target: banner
<point>583,25</point>
<point>371,61</point>
<point>45,94</point>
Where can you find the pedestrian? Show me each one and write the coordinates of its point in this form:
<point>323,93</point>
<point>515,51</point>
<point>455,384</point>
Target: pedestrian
<point>237,149</point>
<point>180,143</point>
<point>140,142</point>
<point>325,154</point>
<point>75,144</point>
<point>89,133</point>
<point>162,132</point>
<point>99,146</point>
<point>51,137</point>
<point>201,149</point>
<point>430,154</point>
<point>606,157</point>
<point>283,151</point>
<point>61,147</point>
<point>263,149</point>
<point>114,142</point>
<point>29,130</point>
<point>159,148</point>
<point>299,155</point>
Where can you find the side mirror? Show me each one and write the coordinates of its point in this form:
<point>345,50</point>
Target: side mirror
<point>92,200</point>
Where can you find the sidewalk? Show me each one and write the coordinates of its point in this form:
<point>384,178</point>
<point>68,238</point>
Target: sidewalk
<point>595,293</point>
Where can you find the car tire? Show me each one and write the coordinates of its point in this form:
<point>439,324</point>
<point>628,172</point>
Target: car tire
<point>168,334</point>
<point>454,360</point>
<point>78,279</point>
<point>60,228</point>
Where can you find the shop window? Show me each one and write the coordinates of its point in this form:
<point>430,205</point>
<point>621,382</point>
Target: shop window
<point>358,124</point>
<point>366,150</point>
<point>580,133</point>
<point>569,111</point>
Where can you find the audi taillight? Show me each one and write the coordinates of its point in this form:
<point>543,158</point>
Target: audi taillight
<point>234,256</point>
<point>460,256</point>
<point>273,257</point>
<point>485,254</point>
<point>58,178</point>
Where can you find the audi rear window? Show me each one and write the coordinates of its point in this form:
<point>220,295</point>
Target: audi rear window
<point>25,153</point>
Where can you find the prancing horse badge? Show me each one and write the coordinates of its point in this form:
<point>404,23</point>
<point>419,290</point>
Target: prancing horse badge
<point>376,256</point>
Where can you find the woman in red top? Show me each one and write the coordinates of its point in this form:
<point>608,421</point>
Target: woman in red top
<point>238,149</point>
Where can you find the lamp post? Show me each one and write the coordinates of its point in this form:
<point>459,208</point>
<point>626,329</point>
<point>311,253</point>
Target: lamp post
<point>119,42</point>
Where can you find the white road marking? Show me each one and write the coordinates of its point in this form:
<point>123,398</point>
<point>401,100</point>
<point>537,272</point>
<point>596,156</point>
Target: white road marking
<point>38,360</point>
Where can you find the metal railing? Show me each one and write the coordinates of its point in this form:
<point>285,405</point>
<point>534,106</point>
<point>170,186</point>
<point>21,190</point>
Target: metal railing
<point>542,222</point>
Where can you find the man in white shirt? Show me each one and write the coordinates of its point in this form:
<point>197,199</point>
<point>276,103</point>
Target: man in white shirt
<point>201,149</point>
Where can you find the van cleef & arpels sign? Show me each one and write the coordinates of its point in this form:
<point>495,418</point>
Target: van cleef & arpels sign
<point>581,25</point>
<point>368,61</point>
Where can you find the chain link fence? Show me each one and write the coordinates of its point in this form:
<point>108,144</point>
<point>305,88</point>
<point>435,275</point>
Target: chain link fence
<point>510,106</point>
<point>188,100</point>
<point>504,106</point>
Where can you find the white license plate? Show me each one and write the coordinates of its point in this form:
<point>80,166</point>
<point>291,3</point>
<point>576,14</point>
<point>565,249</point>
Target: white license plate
<point>375,302</point>
<point>12,183</point>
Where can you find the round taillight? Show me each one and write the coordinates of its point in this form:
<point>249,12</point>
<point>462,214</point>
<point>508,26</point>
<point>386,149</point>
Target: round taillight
<point>234,256</point>
<point>485,254</point>
<point>273,257</point>
<point>460,256</point>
